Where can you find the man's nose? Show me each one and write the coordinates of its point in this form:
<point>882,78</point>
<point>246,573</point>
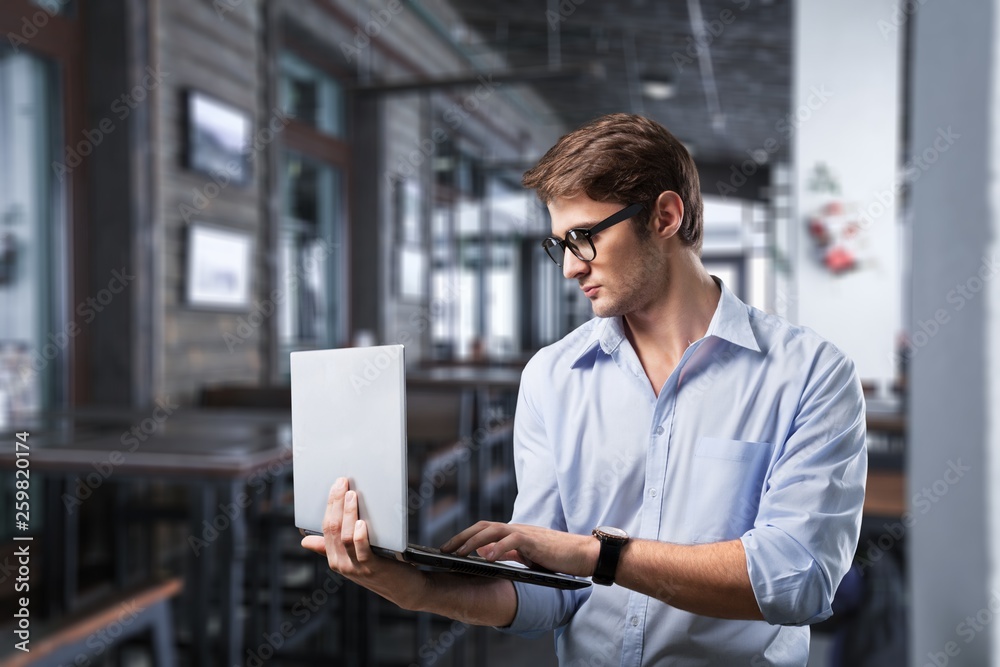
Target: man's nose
<point>573,266</point>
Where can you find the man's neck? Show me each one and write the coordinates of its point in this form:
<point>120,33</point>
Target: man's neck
<point>663,330</point>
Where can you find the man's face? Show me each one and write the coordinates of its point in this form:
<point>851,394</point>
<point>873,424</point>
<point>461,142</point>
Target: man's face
<point>626,274</point>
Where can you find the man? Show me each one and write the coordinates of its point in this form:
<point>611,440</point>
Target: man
<point>717,451</point>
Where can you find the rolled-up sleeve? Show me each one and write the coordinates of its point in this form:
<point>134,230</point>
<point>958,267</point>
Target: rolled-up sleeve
<point>539,608</point>
<point>806,531</point>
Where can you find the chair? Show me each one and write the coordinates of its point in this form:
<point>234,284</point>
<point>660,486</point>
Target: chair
<point>495,482</point>
<point>443,493</point>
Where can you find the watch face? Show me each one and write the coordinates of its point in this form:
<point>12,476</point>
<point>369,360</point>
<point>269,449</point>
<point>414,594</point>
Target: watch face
<point>613,532</point>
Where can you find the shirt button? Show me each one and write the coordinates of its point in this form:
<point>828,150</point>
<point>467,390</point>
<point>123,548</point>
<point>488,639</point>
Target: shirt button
<point>652,493</point>
<point>659,430</point>
<point>634,621</point>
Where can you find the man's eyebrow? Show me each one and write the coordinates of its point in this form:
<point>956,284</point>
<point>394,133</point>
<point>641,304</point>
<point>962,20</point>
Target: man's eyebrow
<point>586,224</point>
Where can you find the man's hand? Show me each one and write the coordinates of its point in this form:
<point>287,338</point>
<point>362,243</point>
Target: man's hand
<point>551,549</point>
<point>347,550</point>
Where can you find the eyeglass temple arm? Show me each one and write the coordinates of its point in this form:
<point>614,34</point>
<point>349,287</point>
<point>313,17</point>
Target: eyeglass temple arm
<point>624,214</point>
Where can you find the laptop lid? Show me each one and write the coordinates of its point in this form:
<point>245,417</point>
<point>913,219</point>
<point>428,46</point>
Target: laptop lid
<point>349,420</point>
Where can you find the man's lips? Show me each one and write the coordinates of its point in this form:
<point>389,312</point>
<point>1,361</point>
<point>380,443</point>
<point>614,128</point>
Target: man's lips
<point>589,290</point>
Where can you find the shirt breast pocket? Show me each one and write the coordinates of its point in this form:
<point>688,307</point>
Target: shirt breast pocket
<point>727,479</point>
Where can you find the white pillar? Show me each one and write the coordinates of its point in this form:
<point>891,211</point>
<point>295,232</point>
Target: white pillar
<point>955,301</point>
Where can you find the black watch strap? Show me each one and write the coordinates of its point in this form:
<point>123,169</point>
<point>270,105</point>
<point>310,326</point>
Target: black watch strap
<point>612,541</point>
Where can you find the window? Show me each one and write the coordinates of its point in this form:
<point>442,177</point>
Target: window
<point>310,95</point>
<point>34,341</point>
<point>459,252</point>
<point>310,265</point>
<point>314,167</point>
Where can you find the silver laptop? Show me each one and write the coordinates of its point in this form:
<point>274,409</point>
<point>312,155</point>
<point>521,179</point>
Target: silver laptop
<point>349,420</point>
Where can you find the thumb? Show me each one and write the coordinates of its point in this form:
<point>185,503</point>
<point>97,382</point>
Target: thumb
<point>314,543</point>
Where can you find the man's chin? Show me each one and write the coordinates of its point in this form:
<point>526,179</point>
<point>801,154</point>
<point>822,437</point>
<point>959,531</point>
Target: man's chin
<point>604,309</point>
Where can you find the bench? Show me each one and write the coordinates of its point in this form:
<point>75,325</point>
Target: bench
<point>91,633</point>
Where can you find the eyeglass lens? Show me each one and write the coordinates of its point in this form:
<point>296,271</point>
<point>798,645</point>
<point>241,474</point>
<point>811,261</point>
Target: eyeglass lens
<point>577,241</point>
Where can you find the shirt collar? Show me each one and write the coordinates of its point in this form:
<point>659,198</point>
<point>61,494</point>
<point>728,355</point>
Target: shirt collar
<point>730,322</point>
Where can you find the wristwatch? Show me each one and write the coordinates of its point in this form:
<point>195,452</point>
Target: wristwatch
<point>612,540</point>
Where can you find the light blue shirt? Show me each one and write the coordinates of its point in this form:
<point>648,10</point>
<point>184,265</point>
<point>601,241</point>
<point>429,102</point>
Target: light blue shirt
<point>757,435</point>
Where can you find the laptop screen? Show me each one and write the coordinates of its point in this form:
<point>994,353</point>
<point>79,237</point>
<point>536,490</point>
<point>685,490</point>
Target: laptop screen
<point>349,420</point>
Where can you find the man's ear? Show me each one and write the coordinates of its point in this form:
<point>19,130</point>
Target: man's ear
<point>669,214</point>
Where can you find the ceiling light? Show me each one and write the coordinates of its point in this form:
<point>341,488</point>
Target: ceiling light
<point>658,89</point>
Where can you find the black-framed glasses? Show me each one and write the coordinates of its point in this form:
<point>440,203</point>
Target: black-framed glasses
<point>580,241</point>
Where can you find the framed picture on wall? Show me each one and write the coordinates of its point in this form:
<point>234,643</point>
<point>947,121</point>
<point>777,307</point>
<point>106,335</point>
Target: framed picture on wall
<point>217,138</point>
<point>219,262</point>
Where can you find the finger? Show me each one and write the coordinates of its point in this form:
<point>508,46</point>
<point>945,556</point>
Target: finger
<point>334,515</point>
<point>362,548</point>
<point>350,518</point>
<point>464,536</point>
<point>336,554</point>
<point>517,557</point>
<point>314,543</point>
<point>492,533</point>
<point>512,542</point>
<point>485,549</point>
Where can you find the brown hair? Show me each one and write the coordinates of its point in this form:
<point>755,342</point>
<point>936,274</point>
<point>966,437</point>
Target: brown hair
<point>622,158</point>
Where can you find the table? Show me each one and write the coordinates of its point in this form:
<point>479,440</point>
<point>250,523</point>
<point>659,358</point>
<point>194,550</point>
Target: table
<point>886,488</point>
<point>217,452</point>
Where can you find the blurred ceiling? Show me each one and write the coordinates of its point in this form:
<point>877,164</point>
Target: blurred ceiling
<point>729,87</point>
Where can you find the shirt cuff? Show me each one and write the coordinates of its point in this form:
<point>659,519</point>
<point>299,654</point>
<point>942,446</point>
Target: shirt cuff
<point>790,587</point>
<point>541,609</point>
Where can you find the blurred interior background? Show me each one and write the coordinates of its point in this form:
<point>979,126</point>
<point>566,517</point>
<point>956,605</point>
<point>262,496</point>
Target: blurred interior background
<point>192,189</point>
